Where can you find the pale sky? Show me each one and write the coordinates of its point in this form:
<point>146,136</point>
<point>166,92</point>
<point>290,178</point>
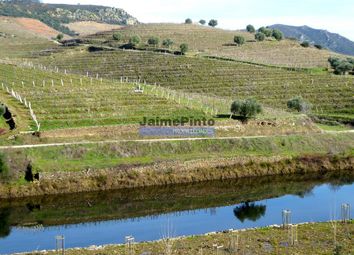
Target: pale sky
<point>333,15</point>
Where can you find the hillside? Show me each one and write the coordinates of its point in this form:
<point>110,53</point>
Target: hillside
<point>218,42</point>
<point>273,87</point>
<point>90,102</point>
<point>332,41</point>
<point>56,15</point>
<point>90,27</point>
<point>22,37</point>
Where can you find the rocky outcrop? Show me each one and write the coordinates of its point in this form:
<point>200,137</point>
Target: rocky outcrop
<point>106,14</point>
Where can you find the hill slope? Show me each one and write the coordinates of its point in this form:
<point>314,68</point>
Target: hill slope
<point>67,101</point>
<point>330,95</point>
<point>20,37</point>
<point>218,42</point>
<point>55,15</point>
<point>332,41</point>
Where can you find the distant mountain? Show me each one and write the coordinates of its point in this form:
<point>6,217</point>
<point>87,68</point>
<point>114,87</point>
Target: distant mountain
<point>334,42</point>
<point>55,15</point>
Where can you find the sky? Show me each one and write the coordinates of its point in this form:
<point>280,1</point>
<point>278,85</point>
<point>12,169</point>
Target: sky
<point>336,16</point>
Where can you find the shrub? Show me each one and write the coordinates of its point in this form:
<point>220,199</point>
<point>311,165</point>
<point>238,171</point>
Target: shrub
<point>167,43</point>
<point>266,31</point>
<point>154,41</point>
<point>259,36</point>
<point>250,29</point>
<point>117,37</point>
<point>318,46</point>
<point>134,40</point>
<point>29,173</point>
<point>213,23</point>
<point>246,108</point>
<point>350,60</point>
<point>202,22</point>
<point>2,110</point>
<point>188,21</point>
<point>338,249</point>
<point>334,61</point>
<point>184,48</point>
<point>60,37</point>
<point>239,40</point>
<point>3,165</point>
<point>298,104</point>
<point>343,67</point>
<point>305,44</point>
<point>277,34</point>
<point>261,29</point>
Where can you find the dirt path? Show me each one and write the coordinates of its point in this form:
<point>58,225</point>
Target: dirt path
<point>28,146</point>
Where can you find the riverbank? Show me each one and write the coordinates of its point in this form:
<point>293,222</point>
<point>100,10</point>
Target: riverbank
<point>82,168</point>
<point>312,238</point>
<point>126,204</point>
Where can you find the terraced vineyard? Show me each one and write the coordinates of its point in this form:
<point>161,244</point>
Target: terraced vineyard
<point>218,42</point>
<point>330,95</point>
<point>64,101</point>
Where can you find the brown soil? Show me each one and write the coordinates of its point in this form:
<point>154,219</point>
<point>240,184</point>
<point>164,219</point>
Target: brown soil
<point>36,27</point>
<point>90,27</point>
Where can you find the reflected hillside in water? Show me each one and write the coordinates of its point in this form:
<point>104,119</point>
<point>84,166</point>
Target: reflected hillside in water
<point>153,201</point>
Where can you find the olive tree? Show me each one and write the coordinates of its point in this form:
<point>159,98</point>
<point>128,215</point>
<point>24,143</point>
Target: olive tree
<point>134,40</point>
<point>298,104</point>
<point>246,108</point>
<point>239,40</point>
<point>250,29</point>
<point>154,41</point>
<point>277,34</point>
<point>60,37</point>
<point>305,44</point>
<point>202,22</point>
<point>344,67</point>
<point>259,36</point>
<point>188,21</point>
<point>167,43</point>
<point>117,36</point>
<point>184,48</point>
<point>266,31</point>
<point>213,23</point>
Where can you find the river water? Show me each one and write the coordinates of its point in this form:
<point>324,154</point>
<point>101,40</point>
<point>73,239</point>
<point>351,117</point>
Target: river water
<point>149,213</point>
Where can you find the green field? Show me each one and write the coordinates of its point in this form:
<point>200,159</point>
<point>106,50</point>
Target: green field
<point>330,95</point>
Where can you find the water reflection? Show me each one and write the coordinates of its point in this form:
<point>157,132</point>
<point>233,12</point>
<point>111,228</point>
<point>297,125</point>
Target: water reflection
<point>152,201</point>
<point>249,211</point>
<point>4,222</point>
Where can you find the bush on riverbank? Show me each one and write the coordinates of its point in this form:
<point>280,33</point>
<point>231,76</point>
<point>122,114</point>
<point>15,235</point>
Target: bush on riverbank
<point>3,165</point>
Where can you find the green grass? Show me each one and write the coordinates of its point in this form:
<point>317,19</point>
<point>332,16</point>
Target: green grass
<point>333,128</point>
<point>3,124</point>
<point>98,156</point>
